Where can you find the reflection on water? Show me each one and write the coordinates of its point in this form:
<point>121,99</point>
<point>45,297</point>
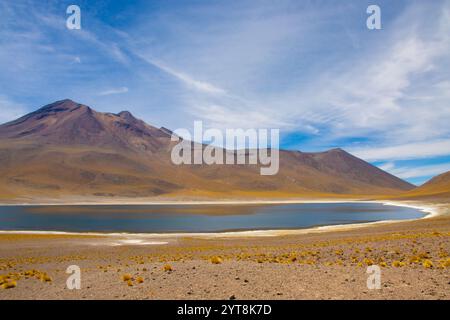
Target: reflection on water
<point>195,218</point>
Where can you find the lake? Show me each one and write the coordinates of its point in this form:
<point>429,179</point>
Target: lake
<point>195,218</point>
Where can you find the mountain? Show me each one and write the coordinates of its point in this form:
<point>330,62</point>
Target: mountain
<point>68,123</point>
<point>67,149</point>
<point>437,188</point>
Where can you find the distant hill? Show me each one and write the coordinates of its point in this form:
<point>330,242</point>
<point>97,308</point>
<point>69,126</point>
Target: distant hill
<point>67,149</point>
<point>437,188</point>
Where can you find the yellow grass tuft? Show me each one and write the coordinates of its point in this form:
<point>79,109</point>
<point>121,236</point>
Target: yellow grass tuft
<point>398,264</point>
<point>167,268</point>
<point>9,284</point>
<point>139,279</point>
<point>424,255</point>
<point>216,260</point>
<point>274,260</point>
<point>444,263</point>
<point>127,277</point>
<point>447,262</point>
<point>427,264</point>
<point>368,261</point>
<point>45,278</point>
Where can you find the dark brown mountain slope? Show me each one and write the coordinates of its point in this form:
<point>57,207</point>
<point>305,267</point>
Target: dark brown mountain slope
<point>68,149</point>
<point>68,123</point>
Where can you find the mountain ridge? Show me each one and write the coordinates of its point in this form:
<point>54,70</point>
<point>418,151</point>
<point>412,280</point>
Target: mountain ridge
<point>68,149</point>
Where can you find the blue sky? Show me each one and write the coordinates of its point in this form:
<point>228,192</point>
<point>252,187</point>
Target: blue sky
<point>310,68</point>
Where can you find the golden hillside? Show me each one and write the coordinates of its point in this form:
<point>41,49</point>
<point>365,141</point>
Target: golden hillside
<point>437,188</point>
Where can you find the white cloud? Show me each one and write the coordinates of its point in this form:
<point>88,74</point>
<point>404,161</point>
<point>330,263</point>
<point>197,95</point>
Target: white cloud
<point>186,79</point>
<point>387,166</point>
<point>420,171</point>
<point>10,110</point>
<point>371,97</point>
<point>260,56</point>
<point>404,152</point>
<point>219,116</point>
<point>114,91</point>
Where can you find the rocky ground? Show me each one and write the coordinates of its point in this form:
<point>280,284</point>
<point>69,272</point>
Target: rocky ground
<point>413,258</point>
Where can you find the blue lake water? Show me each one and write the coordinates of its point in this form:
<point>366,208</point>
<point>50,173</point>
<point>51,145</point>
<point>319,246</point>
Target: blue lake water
<point>195,218</point>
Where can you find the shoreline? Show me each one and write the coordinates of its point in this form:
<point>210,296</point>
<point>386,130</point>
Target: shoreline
<point>430,210</point>
<point>187,202</point>
<point>327,262</point>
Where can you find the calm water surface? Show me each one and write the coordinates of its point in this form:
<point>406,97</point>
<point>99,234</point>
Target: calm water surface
<point>195,218</point>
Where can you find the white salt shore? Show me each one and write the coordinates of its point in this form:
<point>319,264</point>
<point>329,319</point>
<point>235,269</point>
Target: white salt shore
<point>117,239</point>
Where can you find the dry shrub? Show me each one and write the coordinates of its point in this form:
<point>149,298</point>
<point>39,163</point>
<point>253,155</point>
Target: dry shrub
<point>398,264</point>
<point>427,263</point>
<point>216,260</point>
<point>368,261</point>
<point>9,284</point>
<point>167,268</point>
<point>127,277</point>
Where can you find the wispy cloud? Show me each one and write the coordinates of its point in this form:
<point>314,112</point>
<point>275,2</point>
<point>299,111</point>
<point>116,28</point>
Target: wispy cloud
<point>404,152</point>
<point>420,171</point>
<point>274,56</point>
<point>219,116</point>
<point>113,91</point>
<point>76,59</point>
<point>10,110</point>
<point>186,79</point>
<point>387,166</point>
<point>370,95</point>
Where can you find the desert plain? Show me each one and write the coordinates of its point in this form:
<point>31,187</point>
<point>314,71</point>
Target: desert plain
<point>317,263</point>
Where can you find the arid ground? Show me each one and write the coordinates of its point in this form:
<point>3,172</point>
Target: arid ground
<point>413,256</point>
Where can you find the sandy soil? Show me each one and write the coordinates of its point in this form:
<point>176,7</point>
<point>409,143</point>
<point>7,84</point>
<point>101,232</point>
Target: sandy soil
<point>413,256</point>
